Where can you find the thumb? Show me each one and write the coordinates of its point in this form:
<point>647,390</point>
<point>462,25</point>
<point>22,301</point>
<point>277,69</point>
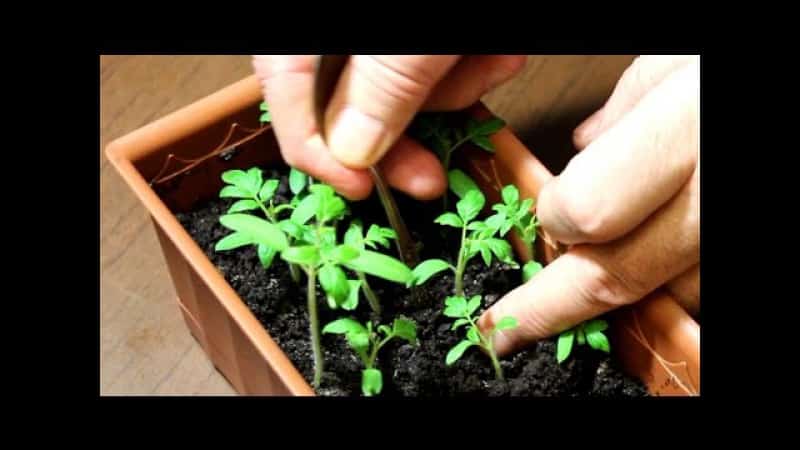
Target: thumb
<point>375,100</point>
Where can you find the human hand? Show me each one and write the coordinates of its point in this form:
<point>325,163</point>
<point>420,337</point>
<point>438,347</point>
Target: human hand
<point>376,99</point>
<point>628,204</point>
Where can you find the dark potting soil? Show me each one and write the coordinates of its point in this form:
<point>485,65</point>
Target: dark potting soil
<point>280,305</point>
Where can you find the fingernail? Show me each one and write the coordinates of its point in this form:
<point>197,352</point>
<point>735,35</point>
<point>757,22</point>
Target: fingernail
<point>356,139</point>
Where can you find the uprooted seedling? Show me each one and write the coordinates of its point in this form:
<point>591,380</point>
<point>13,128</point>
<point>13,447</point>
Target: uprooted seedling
<point>459,308</point>
<point>367,342</point>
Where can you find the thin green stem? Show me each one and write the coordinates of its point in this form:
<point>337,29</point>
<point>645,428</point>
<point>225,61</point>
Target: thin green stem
<point>462,263</point>
<point>314,320</point>
<point>488,345</point>
<point>373,299</point>
<point>374,355</point>
<point>281,208</point>
<point>295,272</point>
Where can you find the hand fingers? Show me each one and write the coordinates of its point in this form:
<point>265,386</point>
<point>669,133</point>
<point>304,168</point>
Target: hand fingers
<point>590,280</point>
<point>471,78</point>
<point>686,290</point>
<point>644,74</point>
<point>630,170</point>
<point>375,100</point>
<point>287,83</point>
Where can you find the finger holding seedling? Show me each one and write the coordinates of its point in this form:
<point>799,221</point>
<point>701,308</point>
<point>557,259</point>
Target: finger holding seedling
<point>629,204</point>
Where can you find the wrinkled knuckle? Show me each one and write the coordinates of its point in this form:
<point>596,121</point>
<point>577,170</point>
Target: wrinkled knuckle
<point>583,217</point>
<point>603,288</point>
<point>406,84</point>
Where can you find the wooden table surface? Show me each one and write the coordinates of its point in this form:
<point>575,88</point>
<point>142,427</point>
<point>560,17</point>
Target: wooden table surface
<point>145,348</point>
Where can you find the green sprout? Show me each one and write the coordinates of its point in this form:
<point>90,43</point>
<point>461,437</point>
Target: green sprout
<point>479,240</point>
<point>367,343</point>
<point>265,117</point>
<point>376,235</point>
<point>591,332</point>
<point>459,308</point>
<point>314,248</point>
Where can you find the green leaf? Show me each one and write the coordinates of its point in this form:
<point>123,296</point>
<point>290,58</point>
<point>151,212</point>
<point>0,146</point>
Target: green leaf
<point>232,241</point>
<point>332,208</point>
<point>405,329</point>
<point>258,229</point>
<point>469,206</point>
<point>297,181</point>
<point>305,255</point>
<point>334,282</point>
<point>530,269</point>
<point>352,297</point>
<point>343,326</point>
<point>478,225</point>
<point>497,221</point>
<point>455,307</point>
<point>426,269</point>
<point>526,205</point>
<point>473,304</point>
<point>381,265</point>
<point>459,323</point>
<point>501,248</point>
<point>510,194</point>
<point>354,236</point>
<point>254,180</point>
<point>359,341</point>
<point>371,382</point>
<point>238,178</point>
<point>268,190</point>
<point>381,235</point>
<point>489,126</point>
<point>305,210</point>
<point>266,255</point>
<point>263,106</point>
<point>343,253</point>
<point>580,335</point>
<point>598,341</point>
<point>472,335</point>
<point>449,219</point>
<point>595,325</point>
<point>564,347</point>
<point>455,353</point>
<point>243,205</point>
<point>484,143</point>
<point>506,323</point>
<point>472,125</point>
<point>265,117</point>
<point>385,330</point>
<point>460,183</point>
<point>292,229</point>
<point>233,192</point>
<point>486,253</point>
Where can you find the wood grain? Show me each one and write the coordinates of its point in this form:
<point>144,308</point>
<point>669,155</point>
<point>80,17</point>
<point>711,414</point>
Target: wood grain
<point>145,348</point>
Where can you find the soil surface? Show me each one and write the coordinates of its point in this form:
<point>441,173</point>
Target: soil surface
<point>280,304</point>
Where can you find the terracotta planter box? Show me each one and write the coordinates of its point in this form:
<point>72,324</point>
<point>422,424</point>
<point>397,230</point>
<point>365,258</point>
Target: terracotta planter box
<point>176,162</point>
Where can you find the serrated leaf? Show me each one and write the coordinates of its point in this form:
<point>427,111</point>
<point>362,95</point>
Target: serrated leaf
<point>472,335</point>
<point>292,229</point>
<point>334,282</point>
<point>371,382</point>
<point>489,126</point>
<point>238,178</point>
<point>380,265</point>
<point>258,229</point>
<point>380,235</point>
<point>484,143</point>
<point>510,194</point>
<point>243,205</point>
<point>469,206</point>
<point>477,226</point>
<point>354,235</point>
<point>530,269</point>
<point>496,221</point>
<point>486,254</point>
<point>266,255</point>
<point>297,181</point>
<point>343,326</point>
<point>332,208</point>
<point>405,329</point>
<point>460,183</point>
<point>595,325</point>
<point>268,190</point>
<point>526,205</point>
<point>459,323</point>
<point>254,180</point>
<point>305,210</point>
<point>449,219</point>
<point>232,241</point>
<point>352,297</point>
<point>233,192</point>
<point>506,323</point>
<point>426,269</point>
<point>598,341</point>
<point>344,253</point>
<point>304,255</point>
<point>455,353</point>
<point>455,307</point>
<point>473,304</point>
<point>564,346</point>
<point>265,117</point>
<point>501,248</point>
